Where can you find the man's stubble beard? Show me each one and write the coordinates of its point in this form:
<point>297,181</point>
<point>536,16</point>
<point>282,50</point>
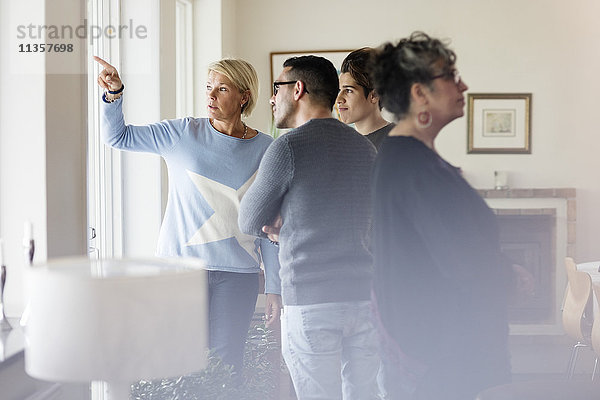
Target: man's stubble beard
<point>283,115</point>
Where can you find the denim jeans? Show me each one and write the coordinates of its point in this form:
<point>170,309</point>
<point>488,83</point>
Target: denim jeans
<point>231,303</point>
<point>331,350</point>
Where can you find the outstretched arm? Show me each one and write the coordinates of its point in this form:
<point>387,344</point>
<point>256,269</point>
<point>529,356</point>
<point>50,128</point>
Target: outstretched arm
<point>152,138</point>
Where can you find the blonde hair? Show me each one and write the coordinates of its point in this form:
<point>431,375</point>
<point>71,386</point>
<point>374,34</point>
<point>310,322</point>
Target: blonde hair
<point>243,75</point>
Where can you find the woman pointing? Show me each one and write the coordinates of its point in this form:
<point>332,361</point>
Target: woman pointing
<point>211,162</point>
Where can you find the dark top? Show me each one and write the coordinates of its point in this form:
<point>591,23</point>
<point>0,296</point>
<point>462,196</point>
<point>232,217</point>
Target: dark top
<point>440,282</point>
<point>318,176</point>
<point>376,137</point>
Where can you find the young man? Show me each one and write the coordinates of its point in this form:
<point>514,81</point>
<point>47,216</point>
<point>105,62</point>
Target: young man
<point>357,101</point>
<point>358,104</point>
<point>311,194</point>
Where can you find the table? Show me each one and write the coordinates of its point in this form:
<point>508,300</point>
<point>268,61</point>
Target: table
<point>15,384</point>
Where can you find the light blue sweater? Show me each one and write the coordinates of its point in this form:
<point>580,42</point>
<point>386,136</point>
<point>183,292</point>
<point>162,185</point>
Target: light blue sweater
<point>209,172</point>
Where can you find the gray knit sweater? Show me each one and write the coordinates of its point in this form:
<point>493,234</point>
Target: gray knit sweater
<point>318,177</point>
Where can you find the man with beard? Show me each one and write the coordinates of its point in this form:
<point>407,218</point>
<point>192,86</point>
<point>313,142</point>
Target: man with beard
<point>312,195</point>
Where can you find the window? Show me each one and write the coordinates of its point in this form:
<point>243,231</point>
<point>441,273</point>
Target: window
<point>104,167</point>
<point>184,59</point>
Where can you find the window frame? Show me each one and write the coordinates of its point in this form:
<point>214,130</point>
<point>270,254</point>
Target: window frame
<point>104,170</point>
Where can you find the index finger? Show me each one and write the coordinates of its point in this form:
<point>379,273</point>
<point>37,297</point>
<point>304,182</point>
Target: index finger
<point>103,63</point>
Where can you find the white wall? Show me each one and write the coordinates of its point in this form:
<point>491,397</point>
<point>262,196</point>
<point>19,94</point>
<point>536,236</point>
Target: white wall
<point>22,152</point>
<point>42,143</point>
<point>66,138</point>
<point>546,47</point>
<point>207,46</point>
<point>214,38</point>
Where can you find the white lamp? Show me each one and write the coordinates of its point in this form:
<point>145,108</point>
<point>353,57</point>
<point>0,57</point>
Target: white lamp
<point>116,321</point>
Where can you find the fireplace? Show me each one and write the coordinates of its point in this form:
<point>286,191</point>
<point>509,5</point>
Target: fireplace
<point>537,231</point>
<point>528,241</point>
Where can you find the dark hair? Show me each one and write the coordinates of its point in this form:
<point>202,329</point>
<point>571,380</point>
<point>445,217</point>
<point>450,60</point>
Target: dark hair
<point>356,64</point>
<point>319,76</point>
<point>394,68</point>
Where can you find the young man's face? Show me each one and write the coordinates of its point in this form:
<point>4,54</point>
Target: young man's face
<point>351,102</point>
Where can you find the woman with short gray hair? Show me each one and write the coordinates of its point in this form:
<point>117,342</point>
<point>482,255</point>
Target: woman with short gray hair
<point>440,281</point>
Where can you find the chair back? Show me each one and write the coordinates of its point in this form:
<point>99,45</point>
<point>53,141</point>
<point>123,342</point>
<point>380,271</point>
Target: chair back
<point>577,311</point>
<point>596,326</point>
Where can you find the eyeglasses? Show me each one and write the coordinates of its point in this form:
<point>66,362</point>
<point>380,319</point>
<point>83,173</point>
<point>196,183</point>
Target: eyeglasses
<point>276,85</point>
<point>453,74</point>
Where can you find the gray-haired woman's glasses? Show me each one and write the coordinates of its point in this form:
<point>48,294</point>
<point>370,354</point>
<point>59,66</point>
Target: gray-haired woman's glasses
<point>454,75</point>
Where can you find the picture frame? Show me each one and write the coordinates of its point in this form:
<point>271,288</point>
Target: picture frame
<point>499,123</point>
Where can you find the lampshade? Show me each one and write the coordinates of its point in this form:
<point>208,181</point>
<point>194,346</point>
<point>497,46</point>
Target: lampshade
<point>116,320</point>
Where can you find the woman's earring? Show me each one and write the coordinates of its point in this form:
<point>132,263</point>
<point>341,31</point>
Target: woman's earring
<point>424,119</point>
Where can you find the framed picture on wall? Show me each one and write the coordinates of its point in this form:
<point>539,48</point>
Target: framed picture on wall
<point>499,123</point>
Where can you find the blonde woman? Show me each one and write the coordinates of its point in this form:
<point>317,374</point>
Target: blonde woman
<point>211,163</point>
